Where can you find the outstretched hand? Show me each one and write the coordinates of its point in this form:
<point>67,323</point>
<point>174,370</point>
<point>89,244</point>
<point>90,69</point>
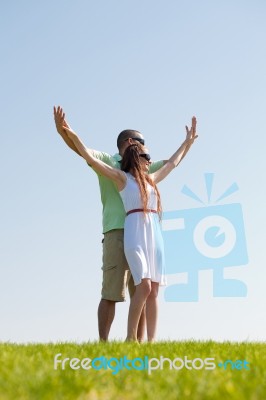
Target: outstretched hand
<point>191,133</point>
<point>60,122</point>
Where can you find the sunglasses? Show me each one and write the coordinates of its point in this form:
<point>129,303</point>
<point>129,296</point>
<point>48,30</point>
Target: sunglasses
<point>146,156</point>
<point>142,141</point>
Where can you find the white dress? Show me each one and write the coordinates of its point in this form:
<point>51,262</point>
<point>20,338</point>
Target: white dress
<point>143,242</point>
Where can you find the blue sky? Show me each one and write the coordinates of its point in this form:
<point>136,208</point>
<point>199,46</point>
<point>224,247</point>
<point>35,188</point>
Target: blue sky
<point>145,65</point>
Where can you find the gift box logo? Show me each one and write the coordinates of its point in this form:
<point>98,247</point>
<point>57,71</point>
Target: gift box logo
<point>211,237</point>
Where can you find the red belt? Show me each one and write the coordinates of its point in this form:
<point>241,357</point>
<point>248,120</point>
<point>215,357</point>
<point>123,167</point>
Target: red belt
<point>140,210</point>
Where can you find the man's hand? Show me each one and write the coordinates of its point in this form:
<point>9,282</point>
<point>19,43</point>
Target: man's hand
<point>191,133</point>
<point>60,122</point>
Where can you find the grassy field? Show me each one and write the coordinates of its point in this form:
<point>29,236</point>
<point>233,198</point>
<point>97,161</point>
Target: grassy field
<point>236,371</point>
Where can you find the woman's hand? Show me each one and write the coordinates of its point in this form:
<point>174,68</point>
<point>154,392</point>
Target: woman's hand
<point>191,133</point>
<point>59,119</point>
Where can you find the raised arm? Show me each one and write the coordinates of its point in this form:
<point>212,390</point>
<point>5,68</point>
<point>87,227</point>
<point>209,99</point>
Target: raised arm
<point>191,134</point>
<point>61,124</point>
<point>99,166</point>
<point>178,155</point>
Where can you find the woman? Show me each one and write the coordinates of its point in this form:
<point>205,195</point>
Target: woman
<point>143,239</point>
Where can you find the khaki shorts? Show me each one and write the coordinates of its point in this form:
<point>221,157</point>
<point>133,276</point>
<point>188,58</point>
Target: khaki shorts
<point>116,273</point>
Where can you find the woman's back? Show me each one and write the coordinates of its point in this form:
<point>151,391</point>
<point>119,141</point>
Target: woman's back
<point>131,195</point>
<point>143,242</point>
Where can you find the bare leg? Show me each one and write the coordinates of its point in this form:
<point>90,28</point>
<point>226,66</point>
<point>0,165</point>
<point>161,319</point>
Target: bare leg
<point>106,313</point>
<point>152,311</point>
<point>142,321</point>
<point>137,303</point>
<point>142,325</point>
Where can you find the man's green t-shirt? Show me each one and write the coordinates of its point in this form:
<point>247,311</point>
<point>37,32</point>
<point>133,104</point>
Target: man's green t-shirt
<point>113,208</point>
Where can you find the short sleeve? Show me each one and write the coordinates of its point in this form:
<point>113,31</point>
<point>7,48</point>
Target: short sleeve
<point>104,157</point>
<point>155,166</point>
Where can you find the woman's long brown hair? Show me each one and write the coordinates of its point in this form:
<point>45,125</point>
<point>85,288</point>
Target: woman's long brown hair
<point>131,162</point>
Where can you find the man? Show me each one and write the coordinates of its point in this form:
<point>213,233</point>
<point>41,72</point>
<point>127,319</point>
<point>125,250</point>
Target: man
<point>115,268</point>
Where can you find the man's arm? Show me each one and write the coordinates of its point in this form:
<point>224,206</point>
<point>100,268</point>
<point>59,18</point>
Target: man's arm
<point>60,123</point>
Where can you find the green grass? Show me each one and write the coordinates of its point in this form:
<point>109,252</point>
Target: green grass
<point>27,372</point>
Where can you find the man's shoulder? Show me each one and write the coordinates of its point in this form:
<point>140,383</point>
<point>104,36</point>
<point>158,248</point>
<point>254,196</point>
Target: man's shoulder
<point>107,158</point>
<point>155,165</point>
<point>101,155</point>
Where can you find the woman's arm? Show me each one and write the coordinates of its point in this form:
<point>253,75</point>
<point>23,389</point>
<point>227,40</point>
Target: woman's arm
<point>60,123</point>
<point>178,155</point>
<point>112,173</point>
